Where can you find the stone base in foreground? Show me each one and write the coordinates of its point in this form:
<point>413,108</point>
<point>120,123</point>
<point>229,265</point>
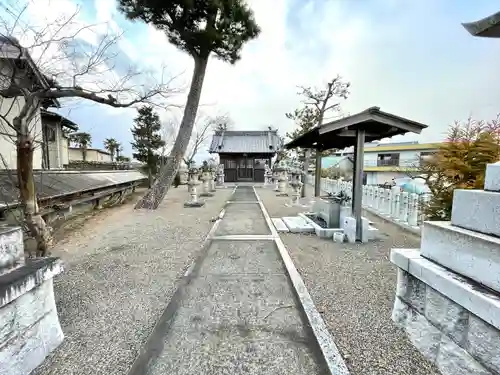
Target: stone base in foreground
<point>29,324</point>
<point>453,321</point>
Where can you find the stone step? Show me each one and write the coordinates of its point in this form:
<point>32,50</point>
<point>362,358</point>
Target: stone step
<point>477,210</point>
<point>297,224</point>
<point>279,224</point>
<point>471,254</point>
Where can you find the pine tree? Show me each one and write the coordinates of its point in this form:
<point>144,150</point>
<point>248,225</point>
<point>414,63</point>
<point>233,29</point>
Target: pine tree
<point>201,28</point>
<point>460,163</point>
<point>147,140</point>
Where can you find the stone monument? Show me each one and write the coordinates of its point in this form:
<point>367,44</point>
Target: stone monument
<point>193,181</point>
<point>448,291</point>
<point>29,324</point>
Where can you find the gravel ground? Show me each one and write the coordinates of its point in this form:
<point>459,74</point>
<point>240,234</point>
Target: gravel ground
<point>353,287</point>
<point>122,267</point>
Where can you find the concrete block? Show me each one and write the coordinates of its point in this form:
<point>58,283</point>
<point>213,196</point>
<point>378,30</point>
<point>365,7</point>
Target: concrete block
<point>279,225</point>
<point>492,178</point>
<point>477,210</point>
<point>474,255</point>
<point>297,224</point>
<point>11,248</point>
<point>484,342</point>
<point>400,313</point>
<point>412,291</point>
<point>478,300</point>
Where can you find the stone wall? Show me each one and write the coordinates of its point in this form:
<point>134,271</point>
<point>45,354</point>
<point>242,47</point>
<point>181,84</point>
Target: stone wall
<point>454,338</point>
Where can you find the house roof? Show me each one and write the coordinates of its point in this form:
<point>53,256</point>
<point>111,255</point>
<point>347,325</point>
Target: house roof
<point>341,133</point>
<point>258,142</point>
<point>488,27</point>
<point>61,119</point>
<point>10,49</point>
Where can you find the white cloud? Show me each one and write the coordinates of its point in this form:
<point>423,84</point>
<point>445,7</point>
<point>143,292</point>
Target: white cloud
<point>412,59</point>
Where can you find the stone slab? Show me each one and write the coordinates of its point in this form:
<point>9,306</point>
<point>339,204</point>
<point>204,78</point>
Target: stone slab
<point>492,178</point>
<point>279,224</point>
<point>243,218</point>
<point>477,210</point>
<point>320,231</point>
<point>471,254</point>
<point>241,257</point>
<point>297,224</point>
<point>478,300</point>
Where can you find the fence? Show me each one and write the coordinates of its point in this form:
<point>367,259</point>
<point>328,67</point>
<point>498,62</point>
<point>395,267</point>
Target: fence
<point>403,208</point>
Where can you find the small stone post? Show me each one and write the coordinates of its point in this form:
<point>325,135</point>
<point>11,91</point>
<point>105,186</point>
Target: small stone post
<point>404,207</point>
<point>413,210</point>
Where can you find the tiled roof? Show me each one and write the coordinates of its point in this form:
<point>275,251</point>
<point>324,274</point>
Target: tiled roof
<point>232,141</point>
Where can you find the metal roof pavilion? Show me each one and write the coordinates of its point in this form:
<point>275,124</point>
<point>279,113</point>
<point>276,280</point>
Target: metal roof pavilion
<point>370,125</point>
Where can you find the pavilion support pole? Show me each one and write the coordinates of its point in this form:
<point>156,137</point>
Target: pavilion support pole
<point>317,175</point>
<point>357,188</point>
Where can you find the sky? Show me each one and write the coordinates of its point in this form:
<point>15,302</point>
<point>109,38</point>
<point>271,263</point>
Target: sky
<point>411,58</point>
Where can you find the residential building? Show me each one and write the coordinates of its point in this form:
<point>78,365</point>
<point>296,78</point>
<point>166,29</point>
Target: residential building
<point>91,155</point>
<point>16,65</point>
<point>55,146</point>
<point>245,153</point>
<point>386,161</point>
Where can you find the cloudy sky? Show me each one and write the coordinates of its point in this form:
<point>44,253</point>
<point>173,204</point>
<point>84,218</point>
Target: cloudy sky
<point>409,57</point>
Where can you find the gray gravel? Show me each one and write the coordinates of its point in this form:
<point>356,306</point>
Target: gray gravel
<point>122,267</point>
<point>353,287</point>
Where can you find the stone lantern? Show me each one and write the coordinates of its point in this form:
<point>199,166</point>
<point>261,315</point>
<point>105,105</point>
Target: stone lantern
<point>296,185</point>
<point>220,175</point>
<point>192,183</point>
<point>212,179</point>
<point>183,173</point>
<point>206,176</point>
<point>282,180</point>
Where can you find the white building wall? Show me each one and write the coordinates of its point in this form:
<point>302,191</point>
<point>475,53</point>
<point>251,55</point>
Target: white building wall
<point>9,108</point>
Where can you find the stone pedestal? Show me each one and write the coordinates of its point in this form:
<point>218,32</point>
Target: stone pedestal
<point>29,324</point>
<point>193,182</point>
<point>448,295</point>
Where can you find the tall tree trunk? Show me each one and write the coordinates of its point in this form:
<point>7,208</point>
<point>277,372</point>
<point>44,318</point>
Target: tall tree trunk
<point>84,153</point>
<point>34,221</point>
<point>157,192</point>
<point>150,177</point>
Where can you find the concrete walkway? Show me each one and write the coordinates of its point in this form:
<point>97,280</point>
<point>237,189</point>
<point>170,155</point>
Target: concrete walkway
<point>238,310</point>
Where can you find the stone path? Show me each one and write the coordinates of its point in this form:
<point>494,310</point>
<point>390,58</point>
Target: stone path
<point>237,311</point>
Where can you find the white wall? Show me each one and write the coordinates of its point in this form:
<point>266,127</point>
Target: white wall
<point>9,108</point>
<point>92,155</point>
